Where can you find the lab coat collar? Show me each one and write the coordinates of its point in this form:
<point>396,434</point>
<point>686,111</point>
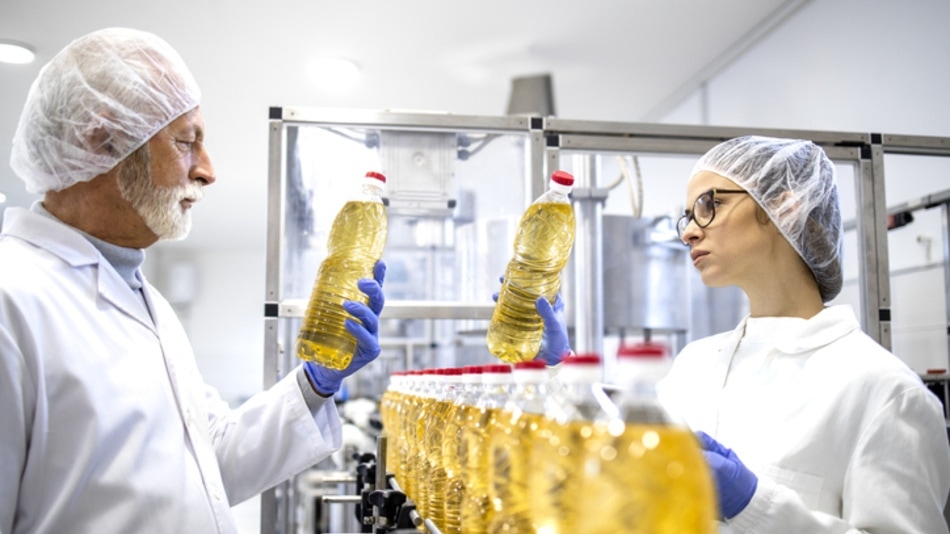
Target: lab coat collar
<point>68,244</point>
<point>830,324</point>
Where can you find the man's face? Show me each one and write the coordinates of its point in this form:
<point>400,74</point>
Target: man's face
<point>163,182</point>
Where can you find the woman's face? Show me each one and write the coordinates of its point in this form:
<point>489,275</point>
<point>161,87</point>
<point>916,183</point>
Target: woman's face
<point>734,247</point>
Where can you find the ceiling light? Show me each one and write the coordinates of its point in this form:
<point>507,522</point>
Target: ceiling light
<point>333,73</point>
<point>15,52</point>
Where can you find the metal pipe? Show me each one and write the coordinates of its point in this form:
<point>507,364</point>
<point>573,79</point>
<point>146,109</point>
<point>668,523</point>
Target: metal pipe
<point>588,257</point>
<point>348,499</point>
<point>382,443</point>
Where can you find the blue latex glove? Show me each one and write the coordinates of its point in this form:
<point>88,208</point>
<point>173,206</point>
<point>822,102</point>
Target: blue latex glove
<point>326,382</point>
<point>735,484</point>
<point>554,343</point>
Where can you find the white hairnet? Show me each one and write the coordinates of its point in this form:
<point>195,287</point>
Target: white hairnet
<point>794,182</point>
<point>98,100</point>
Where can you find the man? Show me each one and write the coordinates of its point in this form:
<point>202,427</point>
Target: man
<point>106,423</point>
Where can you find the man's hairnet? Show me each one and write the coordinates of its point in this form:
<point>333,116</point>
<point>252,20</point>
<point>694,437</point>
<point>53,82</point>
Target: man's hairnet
<point>794,182</point>
<point>99,99</point>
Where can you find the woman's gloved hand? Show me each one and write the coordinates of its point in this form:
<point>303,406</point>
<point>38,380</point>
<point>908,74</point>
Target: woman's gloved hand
<point>326,382</point>
<point>554,343</point>
<point>735,484</point>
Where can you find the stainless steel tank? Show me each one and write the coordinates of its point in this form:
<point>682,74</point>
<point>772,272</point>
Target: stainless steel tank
<point>646,278</point>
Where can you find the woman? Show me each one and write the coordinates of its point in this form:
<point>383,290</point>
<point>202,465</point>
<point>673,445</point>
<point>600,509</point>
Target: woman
<point>829,432</point>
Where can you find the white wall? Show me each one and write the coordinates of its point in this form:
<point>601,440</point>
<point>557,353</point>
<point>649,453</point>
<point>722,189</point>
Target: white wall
<point>866,66</point>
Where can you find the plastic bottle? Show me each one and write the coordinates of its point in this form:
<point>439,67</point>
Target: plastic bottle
<point>510,449</point>
<point>473,455</point>
<point>357,239</point>
<point>453,445</point>
<point>568,430</point>
<point>419,459</point>
<point>405,473</point>
<point>542,248</point>
<point>389,408</point>
<point>652,477</point>
<point>435,432</point>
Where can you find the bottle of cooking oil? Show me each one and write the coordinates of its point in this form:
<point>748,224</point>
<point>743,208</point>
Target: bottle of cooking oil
<point>405,474</point>
<point>389,406</point>
<point>419,458</point>
<point>454,447</point>
<point>569,428</point>
<point>477,508</point>
<point>510,449</point>
<point>435,432</point>
<point>652,477</point>
<point>356,242</point>
<point>543,245</point>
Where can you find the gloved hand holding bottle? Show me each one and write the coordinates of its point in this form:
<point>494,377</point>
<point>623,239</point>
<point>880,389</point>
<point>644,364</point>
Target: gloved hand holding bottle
<point>735,483</point>
<point>325,381</point>
<point>555,345</point>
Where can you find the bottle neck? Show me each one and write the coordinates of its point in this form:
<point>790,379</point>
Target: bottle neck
<point>560,189</point>
<point>373,189</point>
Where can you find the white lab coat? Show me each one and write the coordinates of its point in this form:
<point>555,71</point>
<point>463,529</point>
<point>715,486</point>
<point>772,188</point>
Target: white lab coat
<point>842,435</point>
<point>105,422</point>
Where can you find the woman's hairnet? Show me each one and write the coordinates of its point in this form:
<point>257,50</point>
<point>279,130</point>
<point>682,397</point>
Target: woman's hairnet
<point>99,99</point>
<point>794,182</point>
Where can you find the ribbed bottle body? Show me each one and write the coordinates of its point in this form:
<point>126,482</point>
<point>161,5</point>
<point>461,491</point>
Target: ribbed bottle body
<point>542,248</point>
<point>356,241</point>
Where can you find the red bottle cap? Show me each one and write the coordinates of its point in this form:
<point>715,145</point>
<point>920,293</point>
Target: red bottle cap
<point>377,175</point>
<point>531,364</point>
<point>563,177</point>
<point>642,350</point>
<point>582,359</point>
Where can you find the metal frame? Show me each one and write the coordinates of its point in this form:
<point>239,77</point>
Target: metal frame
<point>856,148</point>
<point>550,139</point>
<point>276,504</point>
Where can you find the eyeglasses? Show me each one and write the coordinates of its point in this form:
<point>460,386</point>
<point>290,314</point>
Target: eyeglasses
<point>704,210</point>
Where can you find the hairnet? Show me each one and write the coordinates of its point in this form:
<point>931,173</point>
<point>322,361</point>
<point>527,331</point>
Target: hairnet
<point>94,103</point>
<point>794,183</point>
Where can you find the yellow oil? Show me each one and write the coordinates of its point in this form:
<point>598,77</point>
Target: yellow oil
<point>476,506</point>
<point>668,485</point>
<point>387,410</point>
<point>542,248</point>
<point>411,477</point>
<point>356,242</point>
<point>645,479</point>
<point>511,450</point>
<point>557,469</point>
<point>452,445</point>
<point>434,437</point>
<point>422,466</point>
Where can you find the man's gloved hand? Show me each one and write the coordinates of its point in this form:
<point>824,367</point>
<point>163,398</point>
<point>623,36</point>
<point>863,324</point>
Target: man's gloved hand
<point>554,344</point>
<point>735,484</point>
<point>366,331</point>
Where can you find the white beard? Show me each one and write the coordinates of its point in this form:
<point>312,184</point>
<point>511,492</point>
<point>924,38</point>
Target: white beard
<point>160,207</point>
<point>162,211</point>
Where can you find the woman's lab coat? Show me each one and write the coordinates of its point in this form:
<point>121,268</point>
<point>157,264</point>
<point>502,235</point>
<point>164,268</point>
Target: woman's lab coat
<point>105,422</point>
<point>842,435</point>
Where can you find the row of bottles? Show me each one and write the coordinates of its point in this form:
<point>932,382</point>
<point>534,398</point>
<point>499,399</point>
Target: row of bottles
<point>502,448</point>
